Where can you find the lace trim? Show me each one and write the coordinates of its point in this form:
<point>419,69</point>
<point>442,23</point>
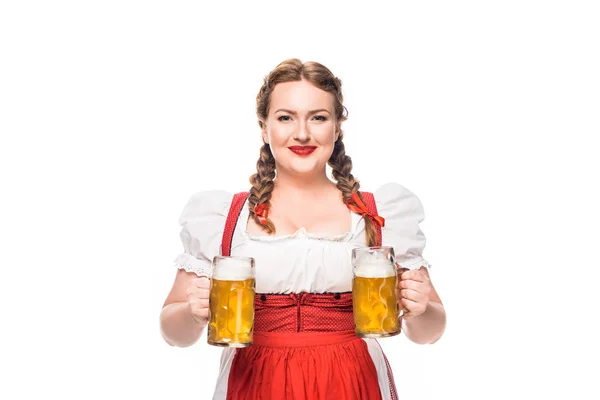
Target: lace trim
<point>415,264</point>
<point>299,234</point>
<point>190,263</point>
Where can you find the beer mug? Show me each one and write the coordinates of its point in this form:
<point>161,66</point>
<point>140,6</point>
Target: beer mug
<point>231,302</point>
<point>375,304</point>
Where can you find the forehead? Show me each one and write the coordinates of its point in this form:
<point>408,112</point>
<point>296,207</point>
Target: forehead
<point>300,95</point>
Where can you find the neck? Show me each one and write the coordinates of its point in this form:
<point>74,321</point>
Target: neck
<point>302,185</point>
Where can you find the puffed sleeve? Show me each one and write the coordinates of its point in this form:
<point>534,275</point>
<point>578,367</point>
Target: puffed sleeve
<point>403,212</point>
<point>202,223</point>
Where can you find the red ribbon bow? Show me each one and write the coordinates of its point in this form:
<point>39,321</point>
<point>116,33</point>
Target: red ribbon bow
<point>262,212</point>
<point>356,204</point>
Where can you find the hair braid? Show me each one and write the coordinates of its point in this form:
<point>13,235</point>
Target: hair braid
<point>341,165</point>
<point>262,185</point>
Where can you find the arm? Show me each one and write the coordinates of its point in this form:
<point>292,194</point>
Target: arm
<point>425,321</point>
<point>178,325</point>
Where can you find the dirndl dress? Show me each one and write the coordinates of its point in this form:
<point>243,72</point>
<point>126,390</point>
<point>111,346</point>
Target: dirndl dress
<point>304,342</point>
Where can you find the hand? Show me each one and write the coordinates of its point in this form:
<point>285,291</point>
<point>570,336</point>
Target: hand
<point>198,294</point>
<point>413,289</point>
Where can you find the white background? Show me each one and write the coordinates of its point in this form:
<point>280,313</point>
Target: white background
<point>114,113</point>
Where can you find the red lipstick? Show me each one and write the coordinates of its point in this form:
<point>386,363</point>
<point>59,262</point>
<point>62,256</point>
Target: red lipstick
<point>302,150</point>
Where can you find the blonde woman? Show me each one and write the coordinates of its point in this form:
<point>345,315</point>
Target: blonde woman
<point>301,227</point>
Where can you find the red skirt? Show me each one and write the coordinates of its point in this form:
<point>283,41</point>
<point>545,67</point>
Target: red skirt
<point>310,364</point>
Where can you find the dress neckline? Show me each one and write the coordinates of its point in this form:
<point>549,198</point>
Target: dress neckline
<point>301,233</point>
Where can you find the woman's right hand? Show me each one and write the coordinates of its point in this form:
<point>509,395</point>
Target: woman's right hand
<point>198,294</point>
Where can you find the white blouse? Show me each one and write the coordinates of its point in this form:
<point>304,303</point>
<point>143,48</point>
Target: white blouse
<point>300,262</point>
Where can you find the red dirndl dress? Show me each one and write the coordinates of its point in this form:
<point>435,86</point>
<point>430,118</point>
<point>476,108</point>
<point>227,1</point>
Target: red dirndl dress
<point>304,345</point>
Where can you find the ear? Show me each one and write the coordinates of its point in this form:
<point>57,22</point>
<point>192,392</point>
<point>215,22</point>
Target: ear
<point>337,133</point>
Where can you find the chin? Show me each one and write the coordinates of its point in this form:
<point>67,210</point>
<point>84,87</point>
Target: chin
<point>304,167</point>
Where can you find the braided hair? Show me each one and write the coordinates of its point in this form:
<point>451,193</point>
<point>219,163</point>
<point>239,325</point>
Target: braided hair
<point>263,180</point>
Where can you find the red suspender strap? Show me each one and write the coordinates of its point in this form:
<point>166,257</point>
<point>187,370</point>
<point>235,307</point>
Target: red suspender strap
<point>234,212</point>
<point>369,200</point>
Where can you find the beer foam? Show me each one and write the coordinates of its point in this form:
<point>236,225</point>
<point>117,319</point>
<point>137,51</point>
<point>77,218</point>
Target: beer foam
<point>231,269</point>
<point>374,269</point>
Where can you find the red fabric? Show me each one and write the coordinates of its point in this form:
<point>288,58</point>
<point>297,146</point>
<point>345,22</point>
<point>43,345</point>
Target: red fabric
<point>301,339</point>
<point>372,207</point>
<point>356,205</point>
<point>234,212</point>
<point>262,213</point>
<point>303,312</point>
<point>303,364</point>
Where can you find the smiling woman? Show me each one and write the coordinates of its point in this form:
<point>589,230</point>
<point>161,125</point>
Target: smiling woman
<point>304,123</point>
<point>300,227</point>
<point>299,136</point>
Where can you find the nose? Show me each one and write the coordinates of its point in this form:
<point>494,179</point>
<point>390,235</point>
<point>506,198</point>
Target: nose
<point>302,134</point>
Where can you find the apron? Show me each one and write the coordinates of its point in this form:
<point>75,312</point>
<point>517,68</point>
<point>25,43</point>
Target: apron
<point>304,345</point>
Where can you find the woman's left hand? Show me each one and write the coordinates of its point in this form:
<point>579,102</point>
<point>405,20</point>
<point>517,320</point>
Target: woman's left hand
<point>413,289</point>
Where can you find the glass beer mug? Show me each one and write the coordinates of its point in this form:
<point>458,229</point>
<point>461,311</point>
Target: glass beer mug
<point>231,302</point>
<point>375,305</point>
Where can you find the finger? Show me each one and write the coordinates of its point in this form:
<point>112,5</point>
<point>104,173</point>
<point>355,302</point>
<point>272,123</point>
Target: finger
<point>410,284</point>
<point>197,292</point>
<point>414,275</point>
<point>411,308</point>
<point>399,272</point>
<point>202,282</point>
<point>400,268</point>
<point>202,315</point>
<point>407,304</point>
<point>201,303</point>
<point>411,295</point>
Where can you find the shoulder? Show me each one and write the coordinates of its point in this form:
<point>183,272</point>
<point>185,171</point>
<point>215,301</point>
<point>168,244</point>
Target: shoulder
<point>202,222</point>
<point>394,198</point>
<point>206,204</point>
<point>403,214</point>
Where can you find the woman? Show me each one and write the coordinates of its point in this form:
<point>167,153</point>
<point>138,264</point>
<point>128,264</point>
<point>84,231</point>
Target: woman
<point>301,227</point>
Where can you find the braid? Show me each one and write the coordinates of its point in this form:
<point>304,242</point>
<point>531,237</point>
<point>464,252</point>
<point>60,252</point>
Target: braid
<point>341,165</point>
<point>262,185</point>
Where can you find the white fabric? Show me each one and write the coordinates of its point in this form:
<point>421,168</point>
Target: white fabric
<point>377,356</point>
<point>301,262</point>
<point>227,355</point>
<point>202,222</point>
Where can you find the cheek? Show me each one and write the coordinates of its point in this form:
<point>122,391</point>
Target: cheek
<point>328,153</point>
<point>278,140</point>
<point>278,136</point>
<point>326,131</point>
<point>325,137</point>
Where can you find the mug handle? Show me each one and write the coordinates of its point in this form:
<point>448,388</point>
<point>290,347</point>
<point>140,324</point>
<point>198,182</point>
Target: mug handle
<point>399,271</point>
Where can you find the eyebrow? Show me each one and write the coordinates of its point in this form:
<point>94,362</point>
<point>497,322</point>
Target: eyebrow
<point>295,113</point>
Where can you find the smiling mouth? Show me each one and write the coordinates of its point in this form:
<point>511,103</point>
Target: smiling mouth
<point>302,150</point>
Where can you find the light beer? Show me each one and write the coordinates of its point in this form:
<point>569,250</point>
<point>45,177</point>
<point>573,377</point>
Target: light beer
<point>376,312</point>
<point>231,302</point>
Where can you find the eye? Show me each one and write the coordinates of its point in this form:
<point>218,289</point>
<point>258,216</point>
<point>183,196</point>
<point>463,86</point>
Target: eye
<point>283,116</point>
<point>321,116</point>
